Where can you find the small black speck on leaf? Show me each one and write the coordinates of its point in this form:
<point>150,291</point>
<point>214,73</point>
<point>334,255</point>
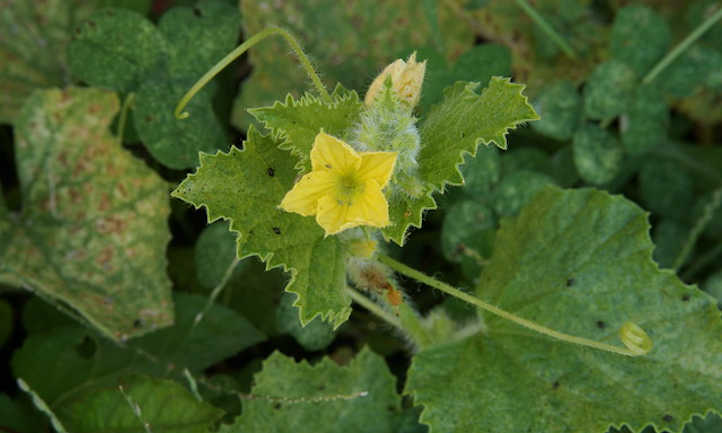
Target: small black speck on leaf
<point>277,406</point>
<point>668,418</point>
<point>138,323</point>
<point>276,230</point>
<point>555,385</point>
<point>197,12</point>
<point>570,282</point>
<point>685,297</point>
<point>270,171</point>
<point>601,324</point>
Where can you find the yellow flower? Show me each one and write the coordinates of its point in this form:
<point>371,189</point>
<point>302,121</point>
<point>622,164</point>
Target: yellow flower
<point>344,187</point>
<point>406,80</point>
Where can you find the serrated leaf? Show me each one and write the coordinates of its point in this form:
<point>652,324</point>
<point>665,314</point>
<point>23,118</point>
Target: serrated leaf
<point>639,38</point>
<point>600,268</point>
<point>63,361</point>
<point>298,121</point>
<point>463,120</point>
<point>33,36</point>
<point>93,227</point>
<point>608,90</point>
<point>164,405</point>
<point>323,398</point>
<point>350,42</point>
<point>115,48</point>
<point>405,212</point>
<point>559,106</point>
<point>597,154</point>
<point>246,187</point>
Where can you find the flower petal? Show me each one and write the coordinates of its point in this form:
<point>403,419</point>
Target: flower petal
<point>371,207</point>
<point>367,209</point>
<point>330,153</point>
<point>378,166</point>
<point>303,197</point>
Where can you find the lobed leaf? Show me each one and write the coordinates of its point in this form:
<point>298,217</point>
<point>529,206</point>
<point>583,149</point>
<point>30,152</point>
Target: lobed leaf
<point>246,187</point>
<point>578,261</point>
<point>164,405</point>
<point>93,227</point>
<point>324,397</point>
<point>473,118</point>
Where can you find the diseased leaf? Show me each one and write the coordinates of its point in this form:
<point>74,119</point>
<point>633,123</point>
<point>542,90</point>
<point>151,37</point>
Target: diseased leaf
<point>597,154</point>
<point>559,106</point>
<point>608,90</point>
<point>646,122</point>
<point>297,122</point>
<point>517,189</point>
<point>323,398</point>
<point>463,120</point>
<point>176,143</point>
<point>350,42</point>
<point>115,48</point>
<point>93,227</point>
<point>578,261</point>
<point>164,405</point>
<point>33,37</point>
<point>639,38</point>
<point>63,361</point>
<point>246,187</point>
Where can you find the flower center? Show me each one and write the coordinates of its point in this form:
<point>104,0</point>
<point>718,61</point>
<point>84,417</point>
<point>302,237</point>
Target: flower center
<point>348,189</point>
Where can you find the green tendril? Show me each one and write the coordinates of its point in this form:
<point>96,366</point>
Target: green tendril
<point>233,55</point>
<point>547,28</point>
<point>631,349</point>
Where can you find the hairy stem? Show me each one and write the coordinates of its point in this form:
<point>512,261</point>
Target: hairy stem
<point>682,46</point>
<point>439,285</point>
<point>547,28</point>
<point>233,55</point>
<point>374,308</point>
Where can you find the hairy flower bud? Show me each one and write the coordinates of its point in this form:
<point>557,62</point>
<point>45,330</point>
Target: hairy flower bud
<point>406,80</point>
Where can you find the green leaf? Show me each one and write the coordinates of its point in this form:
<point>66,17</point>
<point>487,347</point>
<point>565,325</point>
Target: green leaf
<point>60,362</point>
<point>316,335</point>
<point>32,48</point>
<point>19,416</point>
<point>115,48</point>
<point>647,121</point>
<point>669,237</point>
<point>666,189</point>
<point>467,225</point>
<point>200,36</point>
<point>214,253</point>
<point>350,42</point>
<point>478,64</point>
<point>608,90</point>
<point>578,261</point>
<point>6,321</point>
<point>517,189</point>
<point>297,122</point>
<point>463,120</point>
<point>559,106</point>
<point>164,405</point>
<point>639,38</point>
<point>597,154</point>
<point>323,398</point>
<point>404,212</point>
<point>176,143</point>
<point>245,187</point>
<point>93,230</point>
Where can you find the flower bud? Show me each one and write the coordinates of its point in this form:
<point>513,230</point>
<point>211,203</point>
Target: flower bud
<point>406,80</point>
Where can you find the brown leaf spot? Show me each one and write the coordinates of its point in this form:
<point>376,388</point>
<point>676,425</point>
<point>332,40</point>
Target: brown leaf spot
<point>121,190</point>
<point>110,224</point>
<point>104,258</point>
<point>94,108</point>
<point>104,202</point>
